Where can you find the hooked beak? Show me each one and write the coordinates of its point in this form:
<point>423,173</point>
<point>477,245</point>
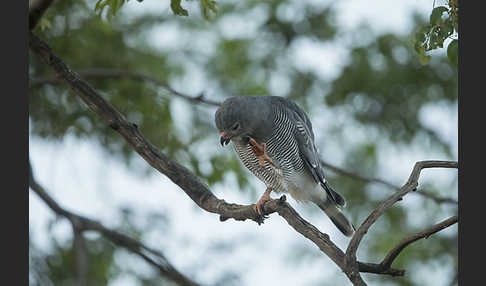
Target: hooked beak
<point>224,140</point>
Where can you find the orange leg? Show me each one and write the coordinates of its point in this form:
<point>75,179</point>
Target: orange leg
<point>261,152</point>
<point>263,199</point>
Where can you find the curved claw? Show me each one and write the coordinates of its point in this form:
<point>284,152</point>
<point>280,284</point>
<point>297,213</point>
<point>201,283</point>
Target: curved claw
<point>260,219</point>
<point>259,208</point>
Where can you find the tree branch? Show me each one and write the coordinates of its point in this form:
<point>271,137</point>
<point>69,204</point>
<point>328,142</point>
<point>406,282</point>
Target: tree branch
<point>385,183</point>
<point>80,257</point>
<point>36,10</point>
<point>177,173</point>
<point>201,194</point>
<point>390,257</point>
<point>309,231</point>
<point>97,73</point>
<point>379,269</point>
<point>385,266</point>
<point>81,224</point>
<point>411,185</point>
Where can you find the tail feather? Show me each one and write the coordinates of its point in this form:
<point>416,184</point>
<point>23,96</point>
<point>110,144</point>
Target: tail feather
<point>339,220</point>
<point>335,196</point>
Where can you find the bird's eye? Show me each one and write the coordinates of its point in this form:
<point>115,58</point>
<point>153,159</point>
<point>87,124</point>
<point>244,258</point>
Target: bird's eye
<point>236,126</point>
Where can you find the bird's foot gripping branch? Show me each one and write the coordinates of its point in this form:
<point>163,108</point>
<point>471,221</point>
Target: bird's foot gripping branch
<point>205,199</point>
<point>267,208</point>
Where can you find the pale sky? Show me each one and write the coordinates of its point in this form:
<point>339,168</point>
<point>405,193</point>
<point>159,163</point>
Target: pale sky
<point>85,180</point>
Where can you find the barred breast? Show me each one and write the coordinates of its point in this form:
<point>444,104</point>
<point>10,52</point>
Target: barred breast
<point>282,148</point>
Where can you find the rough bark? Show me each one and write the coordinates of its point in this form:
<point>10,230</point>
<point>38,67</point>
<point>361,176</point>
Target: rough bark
<point>102,73</point>
<point>204,198</point>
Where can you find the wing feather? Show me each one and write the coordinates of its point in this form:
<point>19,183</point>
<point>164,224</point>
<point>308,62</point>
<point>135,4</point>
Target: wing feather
<point>308,151</point>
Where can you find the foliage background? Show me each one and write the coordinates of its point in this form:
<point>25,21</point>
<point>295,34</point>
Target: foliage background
<point>375,106</point>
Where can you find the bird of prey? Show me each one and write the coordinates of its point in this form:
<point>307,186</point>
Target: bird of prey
<point>273,137</point>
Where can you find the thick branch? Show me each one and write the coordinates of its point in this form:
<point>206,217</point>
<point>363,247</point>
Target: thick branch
<point>181,176</point>
<point>309,231</point>
<point>177,173</point>
<point>81,224</point>
<point>390,257</point>
<point>36,10</point>
<point>200,193</point>
<point>97,73</point>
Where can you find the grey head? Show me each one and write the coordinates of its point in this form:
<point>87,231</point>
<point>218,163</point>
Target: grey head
<point>242,117</point>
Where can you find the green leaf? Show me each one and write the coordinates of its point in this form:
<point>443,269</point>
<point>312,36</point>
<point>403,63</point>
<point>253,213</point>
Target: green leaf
<point>448,27</point>
<point>207,7</point>
<point>113,6</point>
<point>423,57</point>
<point>176,7</point>
<point>434,41</point>
<point>420,36</point>
<point>100,5</point>
<point>44,24</point>
<point>435,16</point>
<point>452,51</point>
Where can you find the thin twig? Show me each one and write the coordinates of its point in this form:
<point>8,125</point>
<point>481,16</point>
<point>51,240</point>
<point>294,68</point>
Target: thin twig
<point>181,176</point>
<point>392,254</point>
<point>411,185</point>
<point>117,73</point>
<point>201,194</point>
<point>392,186</point>
<point>81,224</point>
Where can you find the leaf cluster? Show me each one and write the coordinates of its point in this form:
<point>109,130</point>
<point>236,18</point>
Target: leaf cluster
<point>440,28</point>
<point>381,86</point>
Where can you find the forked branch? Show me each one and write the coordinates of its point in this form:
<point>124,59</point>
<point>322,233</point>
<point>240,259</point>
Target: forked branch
<point>103,73</point>
<point>390,257</point>
<point>205,199</point>
<point>411,185</point>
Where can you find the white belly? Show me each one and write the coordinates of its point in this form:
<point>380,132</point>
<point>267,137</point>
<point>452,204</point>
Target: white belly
<point>302,187</point>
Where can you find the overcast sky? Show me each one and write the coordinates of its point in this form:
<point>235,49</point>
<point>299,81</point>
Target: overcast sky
<point>81,177</point>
